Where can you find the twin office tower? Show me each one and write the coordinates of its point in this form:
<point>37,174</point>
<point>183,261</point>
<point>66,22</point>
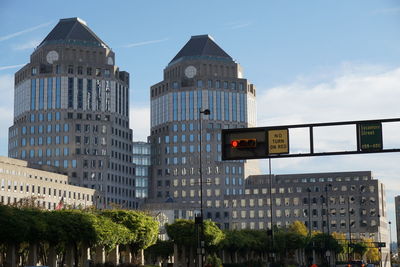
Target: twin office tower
<point>71,115</point>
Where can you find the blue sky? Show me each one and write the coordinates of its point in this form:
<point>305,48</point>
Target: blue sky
<point>311,61</point>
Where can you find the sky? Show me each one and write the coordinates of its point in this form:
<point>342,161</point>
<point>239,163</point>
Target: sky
<point>311,61</point>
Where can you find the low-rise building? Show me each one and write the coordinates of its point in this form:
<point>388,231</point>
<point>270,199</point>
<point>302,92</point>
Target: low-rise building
<point>19,181</point>
<point>353,203</point>
<point>397,209</point>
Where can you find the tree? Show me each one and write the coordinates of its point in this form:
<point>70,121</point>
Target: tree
<point>182,232</point>
<point>286,242</point>
<point>299,228</point>
<point>244,242</point>
<point>372,253</point>
<point>161,249</point>
<point>322,243</point>
<point>212,234</point>
<point>143,228</point>
<point>359,248</point>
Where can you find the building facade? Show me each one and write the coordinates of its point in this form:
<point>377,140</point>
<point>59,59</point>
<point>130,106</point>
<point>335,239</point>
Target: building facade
<point>200,77</point>
<point>18,182</point>
<point>397,210</point>
<point>353,203</point>
<point>141,158</point>
<point>71,111</point>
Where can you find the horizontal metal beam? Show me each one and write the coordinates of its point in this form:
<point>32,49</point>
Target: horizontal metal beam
<point>261,151</point>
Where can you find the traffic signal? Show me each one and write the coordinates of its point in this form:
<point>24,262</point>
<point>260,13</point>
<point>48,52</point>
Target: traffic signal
<point>244,143</point>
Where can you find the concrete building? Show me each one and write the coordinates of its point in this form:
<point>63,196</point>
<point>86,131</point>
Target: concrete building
<point>346,202</point>
<point>397,210</point>
<point>18,181</point>
<point>71,111</point>
<point>201,76</point>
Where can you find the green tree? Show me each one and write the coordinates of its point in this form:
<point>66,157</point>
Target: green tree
<point>161,249</point>
<point>322,243</point>
<point>143,228</point>
<point>182,232</point>
<point>286,242</point>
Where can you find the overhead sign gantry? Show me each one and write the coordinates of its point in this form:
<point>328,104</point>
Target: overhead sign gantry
<point>273,142</point>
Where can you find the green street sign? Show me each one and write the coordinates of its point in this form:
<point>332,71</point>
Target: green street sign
<point>369,136</point>
<point>380,244</point>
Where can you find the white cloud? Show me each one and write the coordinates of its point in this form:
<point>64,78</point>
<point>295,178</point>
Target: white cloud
<point>387,11</point>
<point>15,34</point>
<point>347,97</point>
<point>27,45</point>
<point>144,43</point>
<point>354,93</point>
<point>140,123</point>
<point>11,67</point>
<point>239,24</point>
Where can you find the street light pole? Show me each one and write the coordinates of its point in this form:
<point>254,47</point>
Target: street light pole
<point>349,244</point>
<point>309,211</point>
<point>327,218</point>
<point>390,241</point>
<point>200,249</point>
<point>327,207</point>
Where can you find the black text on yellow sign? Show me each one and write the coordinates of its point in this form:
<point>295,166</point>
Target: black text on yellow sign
<point>278,141</point>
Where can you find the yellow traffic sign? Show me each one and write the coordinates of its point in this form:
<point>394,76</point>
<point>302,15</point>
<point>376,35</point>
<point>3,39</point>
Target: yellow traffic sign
<point>278,141</point>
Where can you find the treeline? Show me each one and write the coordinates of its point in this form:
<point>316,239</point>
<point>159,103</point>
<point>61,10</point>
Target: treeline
<point>293,245</point>
<point>66,235</point>
<point>29,236</point>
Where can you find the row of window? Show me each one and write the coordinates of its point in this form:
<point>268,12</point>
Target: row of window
<point>208,125</point>
<point>141,149</point>
<point>185,106</point>
<point>195,193</point>
<point>27,175</point>
<point>39,141</point>
<point>217,84</point>
<point>208,170</point>
<point>121,192</point>
<point>191,138</point>
<point>8,185</point>
<point>263,225</point>
<point>296,201</point>
<point>89,151</point>
<point>71,69</point>
<point>303,213</point>
<point>285,190</point>
<point>39,203</point>
<point>32,153</point>
<point>40,129</point>
<point>141,160</point>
